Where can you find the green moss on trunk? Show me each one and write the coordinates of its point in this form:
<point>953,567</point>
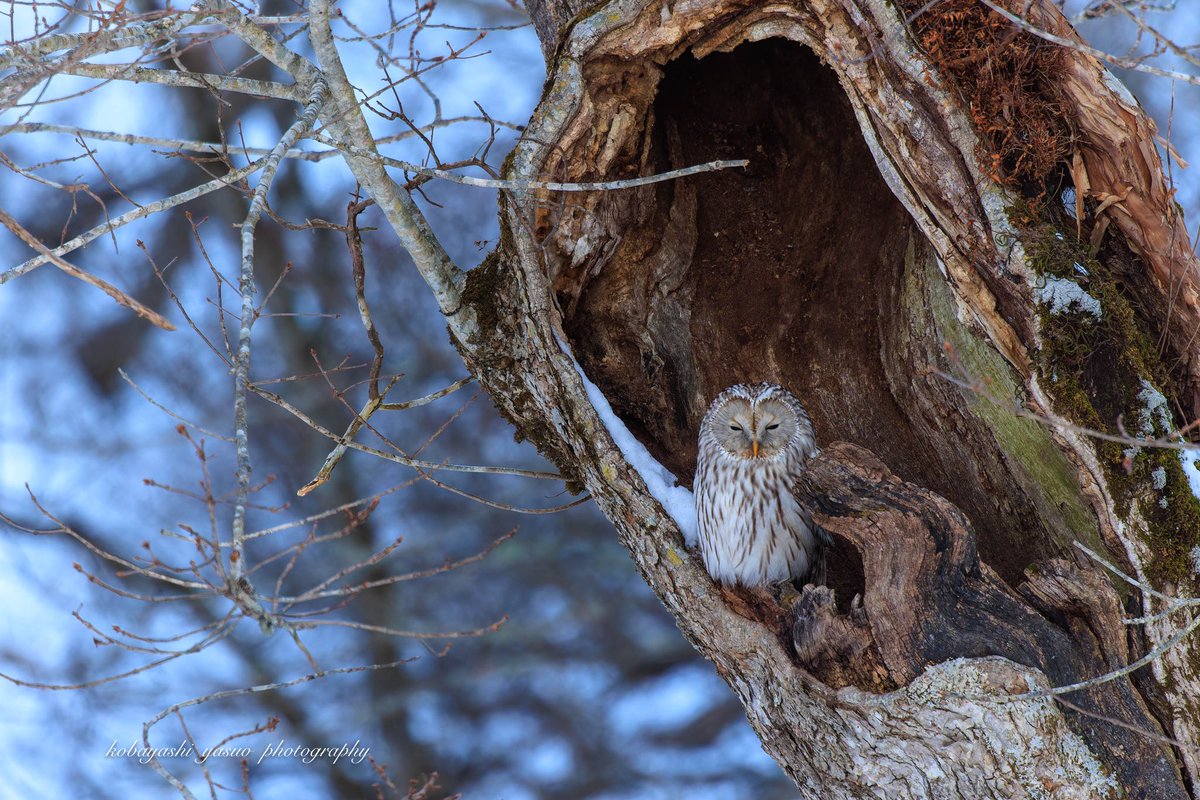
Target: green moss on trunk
<point>1101,371</point>
<point>1028,447</point>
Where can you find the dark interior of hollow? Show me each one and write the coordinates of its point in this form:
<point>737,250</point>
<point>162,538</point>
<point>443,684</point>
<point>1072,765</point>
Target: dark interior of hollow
<point>794,276</point>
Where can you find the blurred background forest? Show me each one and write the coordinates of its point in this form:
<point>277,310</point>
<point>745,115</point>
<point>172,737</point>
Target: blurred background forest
<point>586,689</point>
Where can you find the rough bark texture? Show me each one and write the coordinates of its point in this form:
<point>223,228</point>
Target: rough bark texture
<point>930,599</point>
<point>861,258</point>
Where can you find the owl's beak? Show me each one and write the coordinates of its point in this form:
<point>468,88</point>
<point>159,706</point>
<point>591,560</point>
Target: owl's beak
<point>754,447</point>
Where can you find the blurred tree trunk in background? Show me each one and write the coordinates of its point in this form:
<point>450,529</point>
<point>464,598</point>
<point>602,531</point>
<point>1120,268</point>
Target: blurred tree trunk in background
<point>955,243</point>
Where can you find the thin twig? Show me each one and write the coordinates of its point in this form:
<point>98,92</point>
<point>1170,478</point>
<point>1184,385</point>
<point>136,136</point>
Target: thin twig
<point>1074,44</point>
<point>125,377</point>
<point>316,593</point>
<point>396,457</point>
<point>149,314</point>
<point>517,185</point>
<point>131,216</point>
<point>246,690</point>
<point>363,626</point>
<point>429,398</point>
<point>1121,672</point>
<point>1053,420</point>
<point>316,99</point>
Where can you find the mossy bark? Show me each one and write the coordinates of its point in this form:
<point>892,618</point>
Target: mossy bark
<point>867,259</point>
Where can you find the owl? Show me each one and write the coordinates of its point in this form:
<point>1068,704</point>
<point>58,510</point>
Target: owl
<point>754,442</point>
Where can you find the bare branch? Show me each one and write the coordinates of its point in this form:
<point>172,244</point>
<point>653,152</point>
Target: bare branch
<point>316,99</point>
<point>131,216</point>
<point>396,457</point>
<point>80,45</point>
<point>1075,44</point>
<point>248,690</point>
<point>362,626</point>
<point>216,147</point>
<point>201,80</point>
<point>149,314</point>
<point>125,377</point>
<point>90,43</point>
<point>429,398</point>
<point>440,273</point>
<point>562,186</point>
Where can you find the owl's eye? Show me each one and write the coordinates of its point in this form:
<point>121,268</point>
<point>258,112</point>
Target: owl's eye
<point>773,426</point>
<point>735,427</point>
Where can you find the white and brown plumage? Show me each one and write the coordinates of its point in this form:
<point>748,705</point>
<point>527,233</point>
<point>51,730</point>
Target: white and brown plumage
<point>754,443</point>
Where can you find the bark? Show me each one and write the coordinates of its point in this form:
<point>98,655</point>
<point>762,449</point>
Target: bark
<point>930,599</point>
<point>862,256</point>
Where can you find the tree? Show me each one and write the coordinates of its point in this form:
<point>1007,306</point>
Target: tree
<point>893,251</point>
<point>868,207</point>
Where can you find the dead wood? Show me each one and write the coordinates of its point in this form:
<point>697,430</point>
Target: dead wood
<point>930,599</point>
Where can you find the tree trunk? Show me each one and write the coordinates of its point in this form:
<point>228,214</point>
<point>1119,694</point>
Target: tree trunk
<point>898,254</point>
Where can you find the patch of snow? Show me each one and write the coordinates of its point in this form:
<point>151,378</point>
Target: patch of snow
<point>1195,554</point>
<point>1187,459</point>
<point>677,501</point>
<point>1061,294</point>
<point>1114,83</point>
<point>1157,422</point>
<point>1068,201</point>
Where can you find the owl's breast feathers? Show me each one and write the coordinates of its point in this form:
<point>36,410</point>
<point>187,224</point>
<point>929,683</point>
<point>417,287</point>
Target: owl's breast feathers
<point>752,530</point>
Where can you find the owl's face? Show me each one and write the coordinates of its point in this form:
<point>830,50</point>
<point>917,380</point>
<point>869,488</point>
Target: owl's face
<point>754,427</point>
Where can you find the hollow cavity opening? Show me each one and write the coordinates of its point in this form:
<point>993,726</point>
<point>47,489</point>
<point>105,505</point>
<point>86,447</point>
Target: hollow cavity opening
<point>791,271</point>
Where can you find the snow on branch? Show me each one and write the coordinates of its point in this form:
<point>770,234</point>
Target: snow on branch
<point>662,484</point>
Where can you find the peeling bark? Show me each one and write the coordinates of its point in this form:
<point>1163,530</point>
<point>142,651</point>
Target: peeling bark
<point>1122,171</point>
<point>861,258</point>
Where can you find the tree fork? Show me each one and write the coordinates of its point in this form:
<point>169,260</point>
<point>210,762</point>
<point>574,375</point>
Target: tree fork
<point>863,255</point>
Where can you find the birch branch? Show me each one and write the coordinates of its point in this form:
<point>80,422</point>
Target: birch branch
<point>254,166</point>
<point>301,70</point>
<point>216,147</point>
<point>519,185</point>
<point>79,46</point>
<point>90,43</point>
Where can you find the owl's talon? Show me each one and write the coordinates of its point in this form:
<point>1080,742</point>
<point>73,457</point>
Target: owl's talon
<point>788,594</point>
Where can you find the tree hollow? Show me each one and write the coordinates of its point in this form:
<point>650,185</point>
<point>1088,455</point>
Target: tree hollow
<point>793,270</point>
